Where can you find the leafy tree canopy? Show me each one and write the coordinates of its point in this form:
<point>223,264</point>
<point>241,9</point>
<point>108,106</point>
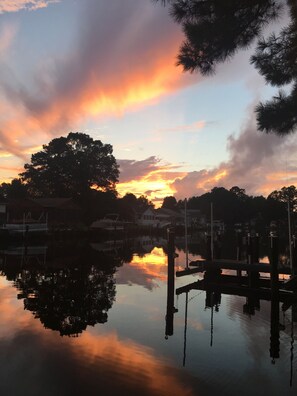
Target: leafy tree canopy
<point>286,195</point>
<point>216,29</point>
<point>143,203</point>
<point>14,190</point>
<point>234,205</point>
<point>169,203</point>
<point>239,192</point>
<point>70,166</point>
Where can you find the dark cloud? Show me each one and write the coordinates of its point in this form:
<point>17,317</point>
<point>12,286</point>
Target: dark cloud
<point>134,170</point>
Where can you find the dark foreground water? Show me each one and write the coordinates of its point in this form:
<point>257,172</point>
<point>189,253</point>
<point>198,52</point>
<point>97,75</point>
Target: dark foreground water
<point>90,320</point>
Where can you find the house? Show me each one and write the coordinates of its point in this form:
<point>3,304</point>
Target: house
<point>19,217</point>
<point>2,213</point>
<point>18,211</point>
<point>147,218</point>
<point>194,218</point>
<point>217,225</point>
<point>169,217</point>
<point>52,211</point>
<point>60,211</point>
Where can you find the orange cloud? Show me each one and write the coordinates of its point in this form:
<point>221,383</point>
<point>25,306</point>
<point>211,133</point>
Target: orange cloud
<point>151,189</point>
<point>13,315</point>
<point>154,264</point>
<point>118,65</point>
<point>155,184</point>
<point>129,366</point>
<point>148,177</point>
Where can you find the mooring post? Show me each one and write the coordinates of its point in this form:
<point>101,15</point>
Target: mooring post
<point>274,315</point>
<point>208,247</point>
<point>249,251</point>
<point>294,255</point>
<point>256,249</point>
<point>274,263</point>
<point>255,258</point>
<point>238,249</point>
<point>170,283</point>
<point>238,245</point>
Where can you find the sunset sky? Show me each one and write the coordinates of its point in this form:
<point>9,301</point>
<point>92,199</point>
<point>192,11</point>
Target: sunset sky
<point>107,68</point>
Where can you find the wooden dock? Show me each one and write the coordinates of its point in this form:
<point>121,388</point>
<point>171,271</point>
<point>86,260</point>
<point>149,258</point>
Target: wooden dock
<point>237,290</point>
<point>203,265</point>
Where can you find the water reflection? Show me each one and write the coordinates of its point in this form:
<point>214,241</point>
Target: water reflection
<point>67,288</point>
<point>215,283</point>
<point>34,362</point>
<point>223,334</point>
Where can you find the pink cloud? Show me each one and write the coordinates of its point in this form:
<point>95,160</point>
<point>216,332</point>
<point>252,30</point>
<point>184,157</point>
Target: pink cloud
<point>17,5</point>
<point>255,160</point>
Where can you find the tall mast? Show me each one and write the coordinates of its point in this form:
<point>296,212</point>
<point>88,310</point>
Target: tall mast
<point>290,236</point>
<point>186,235</point>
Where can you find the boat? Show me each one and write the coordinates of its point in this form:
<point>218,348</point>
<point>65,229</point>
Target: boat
<point>111,222</point>
<point>11,229</point>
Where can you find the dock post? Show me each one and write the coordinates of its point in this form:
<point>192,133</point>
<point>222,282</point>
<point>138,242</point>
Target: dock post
<point>294,255</point>
<point>253,301</point>
<point>170,284</point>
<point>256,248</point>
<point>238,249</point>
<point>274,263</point>
<point>208,247</point>
<point>255,258</point>
<point>238,245</point>
<point>249,248</point>
<point>274,315</point>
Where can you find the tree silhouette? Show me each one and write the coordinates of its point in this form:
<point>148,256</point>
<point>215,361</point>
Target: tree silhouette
<point>239,192</point>
<point>169,203</point>
<point>285,195</point>
<point>216,29</point>
<point>235,206</point>
<point>70,166</point>
<point>68,300</point>
<point>75,290</point>
<point>14,190</point>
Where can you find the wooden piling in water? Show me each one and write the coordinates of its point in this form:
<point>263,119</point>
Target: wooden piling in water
<point>238,249</point>
<point>254,259</point>
<point>294,255</point>
<point>170,283</point>
<point>274,313</point>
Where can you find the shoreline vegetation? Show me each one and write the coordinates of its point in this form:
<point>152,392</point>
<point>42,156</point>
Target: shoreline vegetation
<point>70,187</point>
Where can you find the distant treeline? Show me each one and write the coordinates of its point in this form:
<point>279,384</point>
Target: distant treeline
<point>78,167</point>
<point>230,206</point>
<point>235,206</point>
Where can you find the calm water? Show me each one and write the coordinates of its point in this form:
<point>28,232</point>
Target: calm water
<point>90,320</point>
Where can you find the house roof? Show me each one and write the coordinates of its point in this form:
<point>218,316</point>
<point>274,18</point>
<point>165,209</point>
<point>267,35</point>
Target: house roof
<point>56,203</point>
<point>150,209</point>
<point>168,212</point>
<point>191,212</point>
<point>22,204</point>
